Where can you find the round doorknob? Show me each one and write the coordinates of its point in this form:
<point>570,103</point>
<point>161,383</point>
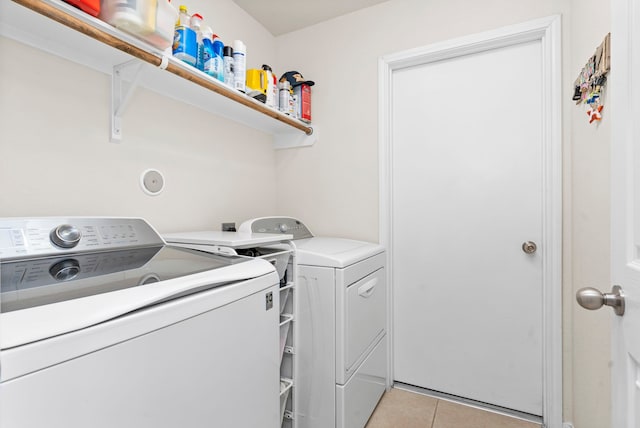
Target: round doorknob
<point>529,247</point>
<point>591,298</point>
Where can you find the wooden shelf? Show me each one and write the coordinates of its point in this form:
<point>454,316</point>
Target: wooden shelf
<point>58,28</point>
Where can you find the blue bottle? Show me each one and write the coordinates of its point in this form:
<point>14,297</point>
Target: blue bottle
<point>206,59</point>
<point>218,58</point>
<point>185,43</point>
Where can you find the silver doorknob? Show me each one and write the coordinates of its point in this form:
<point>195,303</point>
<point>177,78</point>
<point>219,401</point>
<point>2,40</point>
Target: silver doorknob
<point>529,247</point>
<point>591,298</point>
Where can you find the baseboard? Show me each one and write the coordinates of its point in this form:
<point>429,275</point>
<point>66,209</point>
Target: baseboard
<point>470,403</point>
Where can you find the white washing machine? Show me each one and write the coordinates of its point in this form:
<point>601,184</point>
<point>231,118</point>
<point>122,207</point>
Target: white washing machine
<point>103,325</point>
<point>276,249</point>
<point>340,331</point>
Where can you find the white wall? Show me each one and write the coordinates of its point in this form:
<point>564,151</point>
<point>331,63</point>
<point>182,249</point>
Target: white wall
<point>56,158</point>
<point>341,171</point>
<point>335,183</point>
<point>590,159</point>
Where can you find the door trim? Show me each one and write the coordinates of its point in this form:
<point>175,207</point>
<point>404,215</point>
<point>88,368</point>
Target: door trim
<point>625,132</point>
<point>548,32</point>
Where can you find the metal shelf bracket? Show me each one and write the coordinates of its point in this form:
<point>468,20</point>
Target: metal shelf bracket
<point>121,92</point>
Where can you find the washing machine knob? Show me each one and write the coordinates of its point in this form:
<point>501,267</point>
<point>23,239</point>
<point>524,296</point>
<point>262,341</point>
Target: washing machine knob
<point>65,236</point>
<point>283,227</point>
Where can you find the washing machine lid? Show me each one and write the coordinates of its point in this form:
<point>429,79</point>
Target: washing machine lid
<point>334,252</point>
<point>28,283</point>
<point>242,239</point>
<point>61,275</point>
<point>48,310</point>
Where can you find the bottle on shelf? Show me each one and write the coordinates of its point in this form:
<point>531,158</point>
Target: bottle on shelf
<point>228,65</point>
<point>218,59</point>
<point>292,100</point>
<point>239,65</point>
<point>185,43</point>
<point>295,103</point>
<point>205,58</point>
<point>137,18</point>
<point>174,16</point>
<point>284,98</point>
<point>303,107</point>
<point>162,35</point>
<point>211,62</point>
<point>196,26</point>
<point>272,88</point>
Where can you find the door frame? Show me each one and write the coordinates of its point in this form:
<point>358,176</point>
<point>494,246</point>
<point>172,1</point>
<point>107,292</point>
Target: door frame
<point>548,32</point>
<point>625,131</point>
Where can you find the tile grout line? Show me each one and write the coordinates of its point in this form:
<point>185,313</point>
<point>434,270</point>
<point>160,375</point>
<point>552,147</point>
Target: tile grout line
<point>435,412</point>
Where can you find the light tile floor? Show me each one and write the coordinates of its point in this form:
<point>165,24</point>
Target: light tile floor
<point>403,409</point>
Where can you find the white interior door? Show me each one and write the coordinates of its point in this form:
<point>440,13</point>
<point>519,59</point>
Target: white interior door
<point>467,192</point>
<point>625,214</point>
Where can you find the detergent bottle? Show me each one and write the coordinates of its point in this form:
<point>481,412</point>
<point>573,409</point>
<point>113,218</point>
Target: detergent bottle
<point>207,56</point>
<point>185,43</point>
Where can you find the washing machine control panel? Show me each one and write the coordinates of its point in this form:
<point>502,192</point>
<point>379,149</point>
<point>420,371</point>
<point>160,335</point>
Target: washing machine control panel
<point>25,237</point>
<point>282,225</point>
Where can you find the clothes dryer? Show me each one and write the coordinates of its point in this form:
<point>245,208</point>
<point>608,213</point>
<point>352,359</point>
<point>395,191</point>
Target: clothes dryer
<point>340,335</point>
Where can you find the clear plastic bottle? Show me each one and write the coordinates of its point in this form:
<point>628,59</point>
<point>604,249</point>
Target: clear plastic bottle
<point>185,43</point>
<point>175,17</point>
<point>152,21</point>
<point>138,18</point>
<point>162,36</point>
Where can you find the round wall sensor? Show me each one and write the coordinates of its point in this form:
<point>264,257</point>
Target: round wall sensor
<point>152,182</point>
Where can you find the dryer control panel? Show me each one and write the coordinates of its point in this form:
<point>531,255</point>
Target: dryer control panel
<point>282,225</point>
